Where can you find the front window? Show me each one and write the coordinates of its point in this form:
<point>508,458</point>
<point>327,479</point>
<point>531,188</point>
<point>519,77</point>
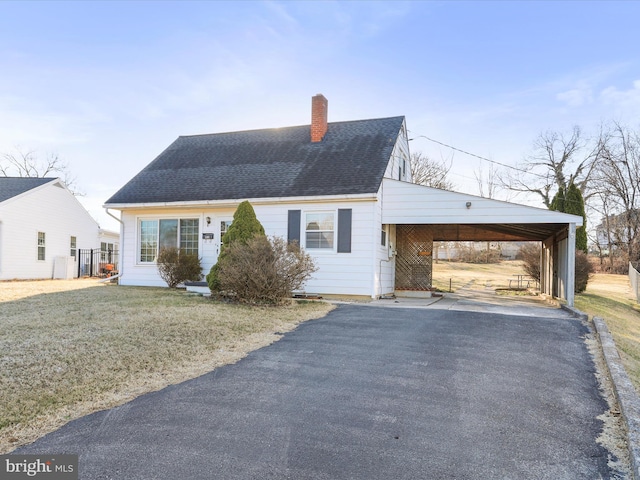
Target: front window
<point>319,230</point>
<point>189,236</point>
<point>41,246</point>
<point>155,235</point>
<point>148,240</point>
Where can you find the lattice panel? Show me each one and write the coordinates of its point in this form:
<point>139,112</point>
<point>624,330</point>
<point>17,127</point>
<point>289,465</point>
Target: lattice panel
<point>414,260</point>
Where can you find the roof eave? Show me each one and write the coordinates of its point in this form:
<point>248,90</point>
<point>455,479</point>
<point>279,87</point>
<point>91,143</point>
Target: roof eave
<point>361,197</point>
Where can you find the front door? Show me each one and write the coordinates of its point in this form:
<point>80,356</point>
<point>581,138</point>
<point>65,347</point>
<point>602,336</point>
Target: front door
<point>223,226</point>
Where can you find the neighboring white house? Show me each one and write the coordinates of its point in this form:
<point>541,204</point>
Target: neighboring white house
<point>43,228</point>
<point>341,189</point>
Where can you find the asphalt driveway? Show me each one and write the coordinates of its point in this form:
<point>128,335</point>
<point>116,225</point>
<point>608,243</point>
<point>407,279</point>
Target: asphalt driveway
<point>367,393</point>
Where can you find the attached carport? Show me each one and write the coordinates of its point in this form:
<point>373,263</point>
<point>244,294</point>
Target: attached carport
<point>421,215</point>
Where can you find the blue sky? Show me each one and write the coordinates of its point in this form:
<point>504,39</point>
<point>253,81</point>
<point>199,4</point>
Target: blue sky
<point>108,85</point>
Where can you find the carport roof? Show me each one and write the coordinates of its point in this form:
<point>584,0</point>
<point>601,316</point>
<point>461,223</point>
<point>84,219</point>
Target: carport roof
<point>513,232</point>
<point>464,217</point>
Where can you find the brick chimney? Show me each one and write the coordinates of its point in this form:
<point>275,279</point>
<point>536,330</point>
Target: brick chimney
<point>319,106</point>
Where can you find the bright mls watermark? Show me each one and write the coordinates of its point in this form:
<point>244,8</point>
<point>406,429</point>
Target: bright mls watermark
<point>49,467</point>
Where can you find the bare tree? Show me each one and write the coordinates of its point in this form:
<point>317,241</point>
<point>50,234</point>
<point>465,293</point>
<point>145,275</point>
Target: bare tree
<point>431,173</point>
<point>29,164</point>
<point>618,182</point>
<point>488,182</point>
<point>557,161</point>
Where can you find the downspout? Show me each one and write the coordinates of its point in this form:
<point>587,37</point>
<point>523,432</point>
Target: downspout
<point>121,259</point>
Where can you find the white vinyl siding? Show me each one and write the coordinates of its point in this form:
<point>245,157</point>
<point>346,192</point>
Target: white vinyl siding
<point>48,209</point>
<point>338,273</point>
<point>407,203</point>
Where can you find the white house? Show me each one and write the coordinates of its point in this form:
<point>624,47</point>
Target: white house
<point>43,229</point>
<point>341,189</point>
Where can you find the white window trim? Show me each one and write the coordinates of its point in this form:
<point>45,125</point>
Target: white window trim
<point>74,248</point>
<point>303,232</point>
<point>157,219</point>
<point>44,246</point>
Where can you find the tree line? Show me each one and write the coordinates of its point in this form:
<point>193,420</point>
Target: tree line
<point>574,173</point>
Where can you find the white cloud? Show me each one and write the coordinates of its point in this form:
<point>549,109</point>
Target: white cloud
<point>576,97</point>
<point>622,98</point>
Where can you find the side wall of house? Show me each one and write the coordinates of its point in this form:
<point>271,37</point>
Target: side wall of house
<point>52,210</point>
<point>384,266</point>
<point>384,258</point>
<point>349,273</point>
<point>399,167</point>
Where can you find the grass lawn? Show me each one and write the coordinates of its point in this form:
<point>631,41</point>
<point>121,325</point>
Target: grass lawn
<point>68,348</point>
<point>607,296</point>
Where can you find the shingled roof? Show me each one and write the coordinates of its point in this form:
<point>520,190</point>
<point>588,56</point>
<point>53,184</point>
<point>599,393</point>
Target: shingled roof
<point>351,159</point>
<point>13,186</point>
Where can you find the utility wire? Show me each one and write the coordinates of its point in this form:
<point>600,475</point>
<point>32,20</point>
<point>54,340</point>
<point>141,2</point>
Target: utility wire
<point>478,156</point>
<point>486,159</point>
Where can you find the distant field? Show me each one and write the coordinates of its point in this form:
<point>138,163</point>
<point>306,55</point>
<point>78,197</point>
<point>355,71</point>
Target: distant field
<point>475,275</point>
<point>607,296</point>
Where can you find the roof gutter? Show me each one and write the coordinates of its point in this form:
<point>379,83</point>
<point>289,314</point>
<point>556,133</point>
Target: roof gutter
<point>361,197</point>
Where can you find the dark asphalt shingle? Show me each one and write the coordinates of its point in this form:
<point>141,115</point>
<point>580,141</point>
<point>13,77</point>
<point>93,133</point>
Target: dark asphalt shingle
<point>13,186</point>
<point>351,159</point>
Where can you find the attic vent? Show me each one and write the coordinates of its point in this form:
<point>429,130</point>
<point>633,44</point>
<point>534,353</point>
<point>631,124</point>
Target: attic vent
<point>58,184</point>
<point>319,108</point>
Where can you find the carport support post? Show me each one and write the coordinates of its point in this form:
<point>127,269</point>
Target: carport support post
<point>571,265</point>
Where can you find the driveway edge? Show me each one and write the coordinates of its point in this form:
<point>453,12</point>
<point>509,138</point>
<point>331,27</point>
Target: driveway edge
<point>626,394</point>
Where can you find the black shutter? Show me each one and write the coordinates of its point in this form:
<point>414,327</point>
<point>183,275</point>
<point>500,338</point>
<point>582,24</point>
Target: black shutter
<point>293,227</point>
<point>344,230</point>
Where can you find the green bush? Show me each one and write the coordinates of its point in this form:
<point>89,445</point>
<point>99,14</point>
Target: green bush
<point>244,227</point>
<point>263,270</point>
<point>176,267</point>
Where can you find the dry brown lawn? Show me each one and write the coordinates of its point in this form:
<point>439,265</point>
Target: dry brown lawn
<point>475,275</point>
<point>68,348</point>
<point>609,296</point>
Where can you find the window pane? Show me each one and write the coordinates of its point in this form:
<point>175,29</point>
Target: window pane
<point>319,240</point>
<point>189,236</point>
<point>168,233</point>
<point>320,221</point>
<point>41,246</point>
<point>148,240</point>
<point>72,247</point>
<point>319,230</point>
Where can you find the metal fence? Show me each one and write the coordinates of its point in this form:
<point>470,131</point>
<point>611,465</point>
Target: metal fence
<point>97,263</point>
<point>634,279</point>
